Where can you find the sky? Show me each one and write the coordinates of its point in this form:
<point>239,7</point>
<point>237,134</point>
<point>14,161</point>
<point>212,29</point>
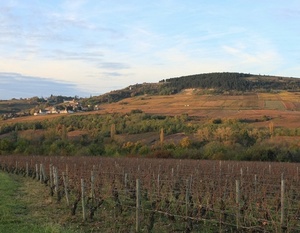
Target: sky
<point>90,47</point>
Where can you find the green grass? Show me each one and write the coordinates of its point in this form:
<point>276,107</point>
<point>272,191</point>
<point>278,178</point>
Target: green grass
<point>17,213</point>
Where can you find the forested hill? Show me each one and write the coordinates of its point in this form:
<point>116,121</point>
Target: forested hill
<point>212,82</point>
<point>233,82</point>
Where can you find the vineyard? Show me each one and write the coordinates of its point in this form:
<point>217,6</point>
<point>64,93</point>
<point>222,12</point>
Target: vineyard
<point>156,195</point>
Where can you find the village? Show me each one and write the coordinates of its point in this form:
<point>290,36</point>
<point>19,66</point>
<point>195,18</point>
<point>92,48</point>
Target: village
<point>68,107</point>
<point>47,106</point>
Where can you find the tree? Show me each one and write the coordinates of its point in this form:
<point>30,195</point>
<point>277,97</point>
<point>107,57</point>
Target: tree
<point>223,134</point>
<point>64,133</point>
<point>271,128</point>
<point>185,142</point>
<point>112,131</point>
<point>161,136</point>
<point>6,145</point>
<point>204,134</point>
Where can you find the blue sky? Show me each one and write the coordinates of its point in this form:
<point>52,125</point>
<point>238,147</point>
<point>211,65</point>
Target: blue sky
<point>90,47</point>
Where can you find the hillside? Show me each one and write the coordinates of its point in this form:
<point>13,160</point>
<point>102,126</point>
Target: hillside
<point>281,106</point>
<point>185,125</point>
<point>210,83</point>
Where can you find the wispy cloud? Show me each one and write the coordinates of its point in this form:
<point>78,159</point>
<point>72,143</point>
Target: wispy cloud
<point>113,66</point>
<point>100,44</point>
<point>67,55</point>
<point>14,85</point>
<point>111,74</point>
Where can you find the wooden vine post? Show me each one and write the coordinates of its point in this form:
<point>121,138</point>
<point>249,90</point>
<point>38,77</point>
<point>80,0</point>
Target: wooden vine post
<point>282,212</point>
<point>56,180</point>
<point>41,173</point>
<point>83,200</point>
<point>187,198</point>
<point>125,182</point>
<point>27,169</point>
<point>238,204</point>
<point>158,185</point>
<point>92,185</point>
<point>255,187</point>
<point>50,176</point>
<point>138,205</point>
<point>36,171</point>
<point>65,180</point>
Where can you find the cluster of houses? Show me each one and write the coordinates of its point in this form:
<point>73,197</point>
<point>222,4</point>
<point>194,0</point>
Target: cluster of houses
<point>67,107</point>
<point>51,110</point>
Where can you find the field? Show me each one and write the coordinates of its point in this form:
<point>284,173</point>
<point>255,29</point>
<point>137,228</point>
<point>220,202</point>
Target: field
<point>155,195</point>
<point>283,107</point>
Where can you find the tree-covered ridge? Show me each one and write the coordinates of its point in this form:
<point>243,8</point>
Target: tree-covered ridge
<point>220,82</point>
<point>232,82</point>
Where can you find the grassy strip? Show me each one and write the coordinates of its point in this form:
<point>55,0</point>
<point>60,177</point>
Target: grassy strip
<point>23,207</point>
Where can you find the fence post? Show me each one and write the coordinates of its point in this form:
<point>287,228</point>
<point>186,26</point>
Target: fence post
<point>44,173</point>
<point>187,198</point>
<point>92,185</point>
<point>255,186</point>
<point>27,169</point>
<point>138,205</point>
<point>56,183</point>
<point>242,176</point>
<point>158,185</point>
<point>82,200</point>
<point>67,170</point>
<point>66,187</point>
<point>36,171</point>
<point>54,177</point>
<point>172,177</point>
<point>41,173</point>
<point>282,201</point>
<point>50,176</point>
<point>237,201</point>
<point>125,181</point>
<point>56,180</point>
